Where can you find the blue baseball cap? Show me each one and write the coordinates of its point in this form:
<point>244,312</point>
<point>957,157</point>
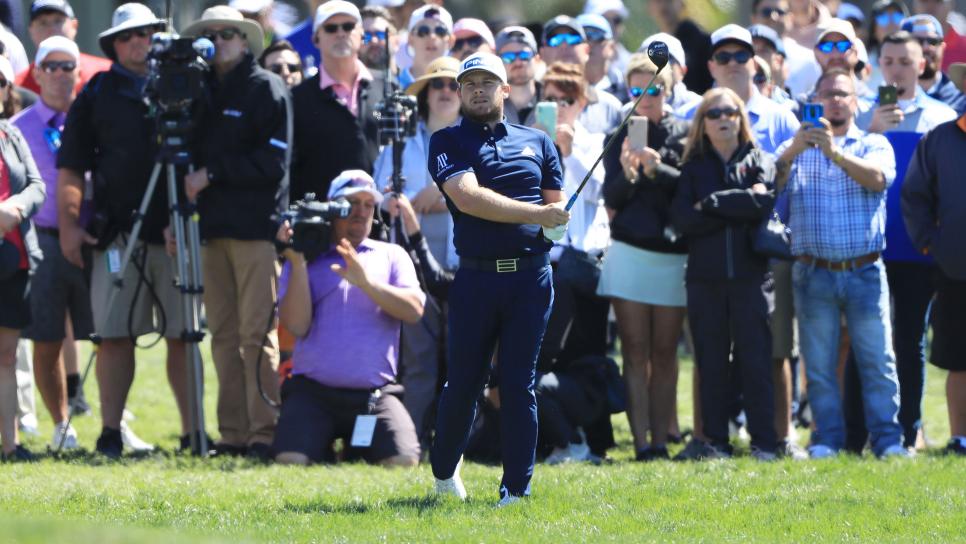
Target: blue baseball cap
<point>769,35</point>
<point>922,24</point>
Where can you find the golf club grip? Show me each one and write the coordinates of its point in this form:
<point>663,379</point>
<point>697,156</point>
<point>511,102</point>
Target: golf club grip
<point>630,113</point>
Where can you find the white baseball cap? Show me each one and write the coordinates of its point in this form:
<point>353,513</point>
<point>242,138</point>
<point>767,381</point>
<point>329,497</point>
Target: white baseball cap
<point>674,47</point>
<point>56,44</point>
<point>330,9</point>
<point>601,7</point>
<point>488,62</point>
<point>732,33</point>
<point>350,182</point>
<point>431,11</point>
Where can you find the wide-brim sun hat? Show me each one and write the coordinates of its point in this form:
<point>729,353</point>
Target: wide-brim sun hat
<point>226,16</point>
<point>127,17</point>
<point>443,67</point>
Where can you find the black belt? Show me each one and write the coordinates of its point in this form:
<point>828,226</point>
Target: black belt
<point>505,265</point>
<point>49,231</point>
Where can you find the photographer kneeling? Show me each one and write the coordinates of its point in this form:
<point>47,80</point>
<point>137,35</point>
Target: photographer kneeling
<point>346,308</point>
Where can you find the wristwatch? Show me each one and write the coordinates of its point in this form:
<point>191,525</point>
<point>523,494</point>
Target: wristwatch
<point>837,158</point>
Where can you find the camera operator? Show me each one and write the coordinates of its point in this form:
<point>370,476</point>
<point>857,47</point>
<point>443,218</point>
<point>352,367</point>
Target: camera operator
<point>243,145</point>
<point>109,133</point>
<point>346,307</point>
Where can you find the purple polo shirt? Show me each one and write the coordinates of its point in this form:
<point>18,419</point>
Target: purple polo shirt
<point>33,122</point>
<point>351,343</point>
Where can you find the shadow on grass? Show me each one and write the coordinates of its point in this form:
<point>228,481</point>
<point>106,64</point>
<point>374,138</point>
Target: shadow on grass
<point>417,505</point>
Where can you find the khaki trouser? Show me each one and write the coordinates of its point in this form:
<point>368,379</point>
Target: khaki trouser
<point>240,290</point>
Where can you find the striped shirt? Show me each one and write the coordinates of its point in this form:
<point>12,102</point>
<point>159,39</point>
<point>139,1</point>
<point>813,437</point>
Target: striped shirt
<point>831,216</point>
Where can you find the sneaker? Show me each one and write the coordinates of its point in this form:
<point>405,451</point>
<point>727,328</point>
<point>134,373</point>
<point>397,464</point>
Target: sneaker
<point>219,449</point>
<point>63,434</point>
<point>573,453</point>
<point>651,453</point>
<point>956,446</point>
<point>260,451</point>
<point>691,451</point>
<point>696,450</point>
<point>184,444</point>
<point>762,455</point>
<point>452,485</point>
<point>78,405</point>
<point>791,450</point>
<point>110,444</point>
<point>507,500</point>
<point>895,450</point>
<point>19,454</point>
<point>133,441</point>
<point>821,451</point>
<point>28,425</point>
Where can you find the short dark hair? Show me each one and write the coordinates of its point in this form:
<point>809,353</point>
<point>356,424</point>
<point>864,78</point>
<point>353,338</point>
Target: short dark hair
<point>280,45</point>
<point>833,73</point>
<point>378,12</point>
<point>900,37</point>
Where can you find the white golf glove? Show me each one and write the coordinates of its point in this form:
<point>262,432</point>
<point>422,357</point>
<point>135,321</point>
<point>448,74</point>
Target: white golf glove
<point>555,234</point>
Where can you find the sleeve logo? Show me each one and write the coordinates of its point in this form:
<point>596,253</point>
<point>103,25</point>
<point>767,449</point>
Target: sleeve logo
<point>442,163</point>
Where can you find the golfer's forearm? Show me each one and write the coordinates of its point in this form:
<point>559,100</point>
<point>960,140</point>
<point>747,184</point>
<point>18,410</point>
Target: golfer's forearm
<point>492,206</point>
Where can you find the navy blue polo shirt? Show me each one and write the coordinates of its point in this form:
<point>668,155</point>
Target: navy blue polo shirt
<point>512,160</point>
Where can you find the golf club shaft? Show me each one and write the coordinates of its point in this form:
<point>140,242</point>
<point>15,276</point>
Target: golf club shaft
<point>573,198</point>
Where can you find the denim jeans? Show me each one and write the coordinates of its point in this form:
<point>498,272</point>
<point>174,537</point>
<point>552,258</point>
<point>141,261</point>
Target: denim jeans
<point>821,297</point>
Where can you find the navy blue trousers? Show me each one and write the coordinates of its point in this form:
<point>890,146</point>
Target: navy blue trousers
<point>508,313</point>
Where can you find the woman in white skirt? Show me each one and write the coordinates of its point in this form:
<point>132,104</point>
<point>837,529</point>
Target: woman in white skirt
<point>644,270</point>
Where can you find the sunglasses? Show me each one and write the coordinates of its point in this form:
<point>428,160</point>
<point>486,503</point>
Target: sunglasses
<point>933,41</point>
<point>225,34</point>
<point>717,113</point>
<point>759,79</point>
<point>126,36</point>
<point>842,46</point>
<point>885,19</point>
<point>442,83</point>
<point>292,68</point>
<point>768,12</point>
<point>332,28</point>
<point>724,57</point>
<point>614,20</point>
<point>369,37</point>
<point>52,66</point>
<point>653,90</point>
<point>560,100</point>
<point>4,83</point>
<point>594,35</point>
<point>561,39</point>
<point>511,56</point>
<point>472,42</point>
<point>425,30</point>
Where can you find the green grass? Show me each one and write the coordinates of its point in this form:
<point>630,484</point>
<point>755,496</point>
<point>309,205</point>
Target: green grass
<point>170,498</point>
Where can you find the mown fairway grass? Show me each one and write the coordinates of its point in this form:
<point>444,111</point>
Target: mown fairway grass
<point>169,498</point>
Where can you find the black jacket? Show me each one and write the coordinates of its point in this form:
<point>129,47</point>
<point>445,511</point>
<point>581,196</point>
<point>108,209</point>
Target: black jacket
<point>934,198</point>
<point>328,138</point>
<point>109,133</point>
<point>720,236</point>
<point>643,207</point>
<point>243,144</point>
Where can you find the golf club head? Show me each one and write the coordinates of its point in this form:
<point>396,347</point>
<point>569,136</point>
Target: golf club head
<point>658,54</point>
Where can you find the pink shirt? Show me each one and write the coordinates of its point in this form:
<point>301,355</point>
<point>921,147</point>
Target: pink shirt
<point>349,97</point>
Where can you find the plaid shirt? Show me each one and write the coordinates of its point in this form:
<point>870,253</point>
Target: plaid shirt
<point>831,216</point>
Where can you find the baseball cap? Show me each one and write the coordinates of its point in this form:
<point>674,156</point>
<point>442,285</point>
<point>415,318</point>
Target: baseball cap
<point>769,35</point>
<point>850,11</point>
<point>60,6</point>
<point>431,11</point>
<point>350,182</point>
<point>674,47</point>
<point>56,44</point>
<point>731,33</point>
<point>563,21</point>
<point>386,3</point>
<point>837,26</point>
<point>598,22</point>
<point>468,25</point>
<point>249,6</point>
<point>488,62</point>
<point>330,9</point>
<point>601,7</point>
<point>922,24</point>
<point>516,34</point>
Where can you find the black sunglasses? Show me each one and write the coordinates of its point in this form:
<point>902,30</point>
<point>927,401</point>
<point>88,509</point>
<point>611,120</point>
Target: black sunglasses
<point>759,79</point>
<point>332,28</point>
<point>225,34</point>
<point>933,41</point>
<point>425,30</point>
<point>473,42</point>
<point>767,12</point>
<point>51,66</point>
<point>292,68</point>
<point>718,113</point>
<point>441,83</point>
<point>724,57</point>
<point>126,35</point>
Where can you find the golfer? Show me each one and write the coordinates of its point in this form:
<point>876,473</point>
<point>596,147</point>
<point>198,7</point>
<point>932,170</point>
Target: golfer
<point>502,183</point>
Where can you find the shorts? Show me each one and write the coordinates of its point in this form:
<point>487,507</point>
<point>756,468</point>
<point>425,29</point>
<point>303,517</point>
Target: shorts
<point>949,324</point>
<point>314,415</point>
<point>128,316</point>
<point>58,289</point>
<point>15,300</point>
<point>783,331</point>
<point>643,276</point>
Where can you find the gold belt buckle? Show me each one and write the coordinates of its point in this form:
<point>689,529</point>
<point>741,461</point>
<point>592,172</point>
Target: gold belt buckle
<point>506,265</point>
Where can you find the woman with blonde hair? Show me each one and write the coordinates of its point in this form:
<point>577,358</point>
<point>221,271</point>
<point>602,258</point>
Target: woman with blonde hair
<point>725,191</point>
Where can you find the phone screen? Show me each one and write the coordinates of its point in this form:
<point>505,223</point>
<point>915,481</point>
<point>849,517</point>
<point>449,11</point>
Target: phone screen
<point>888,94</point>
<point>547,118</point>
